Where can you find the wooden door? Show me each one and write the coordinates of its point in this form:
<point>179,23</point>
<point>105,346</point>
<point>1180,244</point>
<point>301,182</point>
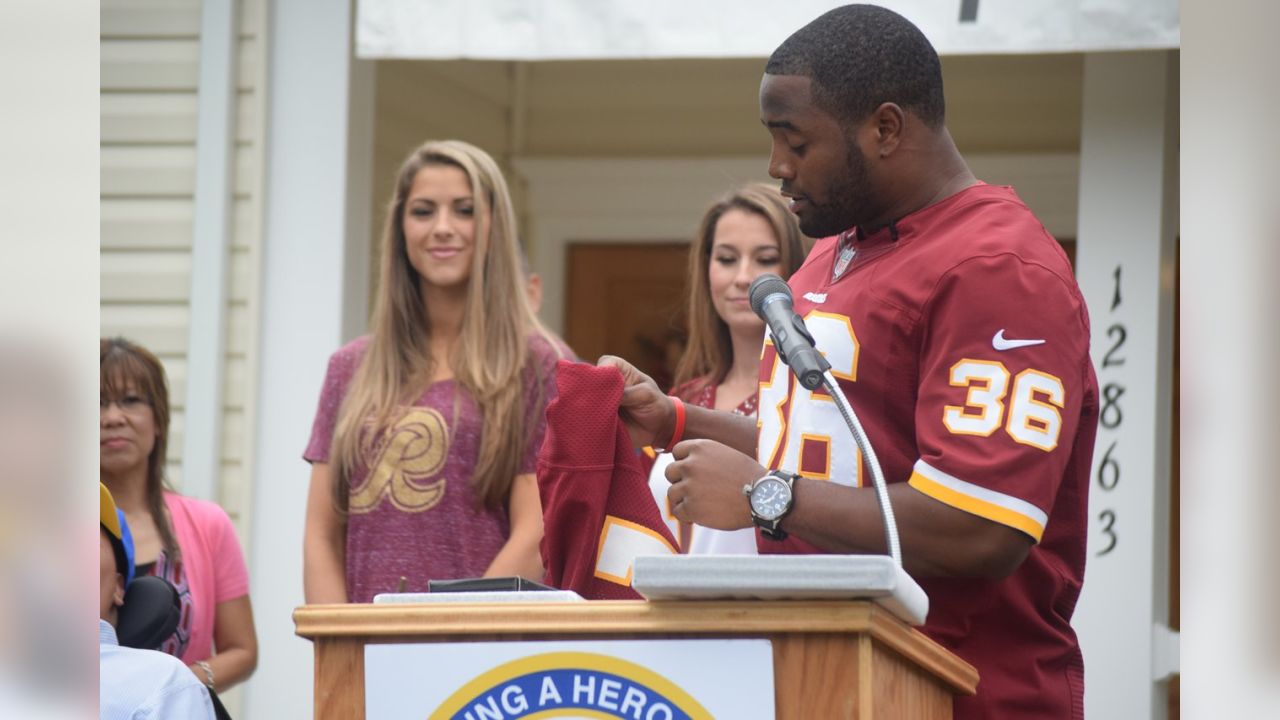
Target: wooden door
<point>629,300</point>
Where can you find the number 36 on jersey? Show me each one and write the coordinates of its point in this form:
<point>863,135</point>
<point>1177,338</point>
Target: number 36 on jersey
<point>802,431</point>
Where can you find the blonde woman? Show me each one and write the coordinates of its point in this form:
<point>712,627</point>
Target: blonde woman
<point>424,445</point>
<point>743,235</point>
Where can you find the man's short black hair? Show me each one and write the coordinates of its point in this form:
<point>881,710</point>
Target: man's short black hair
<point>861,56</point>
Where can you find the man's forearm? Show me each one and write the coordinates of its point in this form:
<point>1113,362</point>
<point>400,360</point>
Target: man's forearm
<point>937,540</point>
<point>736,431</point>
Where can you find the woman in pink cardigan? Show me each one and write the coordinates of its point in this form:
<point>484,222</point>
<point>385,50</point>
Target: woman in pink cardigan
<point>189,542</point>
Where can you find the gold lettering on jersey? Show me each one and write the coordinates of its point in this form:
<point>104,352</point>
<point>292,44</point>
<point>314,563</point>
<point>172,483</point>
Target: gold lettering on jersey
<point>405,460</point>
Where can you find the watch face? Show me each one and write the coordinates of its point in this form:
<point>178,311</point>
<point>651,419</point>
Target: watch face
<point>770,498</point>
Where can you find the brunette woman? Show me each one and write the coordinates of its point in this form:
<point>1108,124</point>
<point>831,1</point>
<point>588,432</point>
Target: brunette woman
<point>743,235</point>
<point>189,542</point>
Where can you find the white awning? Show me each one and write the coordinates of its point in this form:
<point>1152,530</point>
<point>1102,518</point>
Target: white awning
<point>616,29</point>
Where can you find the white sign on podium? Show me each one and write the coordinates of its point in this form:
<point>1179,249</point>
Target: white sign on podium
<point>646,679</point>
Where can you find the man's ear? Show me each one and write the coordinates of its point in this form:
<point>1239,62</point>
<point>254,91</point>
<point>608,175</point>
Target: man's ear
<point>890,121</point>
<point>117,595</point>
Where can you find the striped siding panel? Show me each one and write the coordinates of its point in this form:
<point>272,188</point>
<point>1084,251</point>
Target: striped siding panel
<point>150,19</point>
<point>148,223</point>
<point>161,328</point>
<point>233,391</point>
<point>141,65</point>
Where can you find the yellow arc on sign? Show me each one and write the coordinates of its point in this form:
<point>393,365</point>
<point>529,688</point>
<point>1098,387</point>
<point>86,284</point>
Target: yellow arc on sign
<point>626,669</point>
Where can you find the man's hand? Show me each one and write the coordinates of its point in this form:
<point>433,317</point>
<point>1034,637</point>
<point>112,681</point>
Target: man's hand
<point>647,411</point>
<point>706,484</point>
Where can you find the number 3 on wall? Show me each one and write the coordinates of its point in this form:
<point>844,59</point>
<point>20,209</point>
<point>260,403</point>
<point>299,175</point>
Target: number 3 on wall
<point>1033,419</point>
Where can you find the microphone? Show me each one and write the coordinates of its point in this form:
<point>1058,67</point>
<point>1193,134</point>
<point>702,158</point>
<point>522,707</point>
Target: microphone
<point>771,300</point>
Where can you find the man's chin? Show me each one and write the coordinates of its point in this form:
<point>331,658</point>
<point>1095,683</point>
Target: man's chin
<point>817,226</point>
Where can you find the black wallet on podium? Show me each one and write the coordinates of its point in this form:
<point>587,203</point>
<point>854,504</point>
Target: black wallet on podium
<point>497,584</point>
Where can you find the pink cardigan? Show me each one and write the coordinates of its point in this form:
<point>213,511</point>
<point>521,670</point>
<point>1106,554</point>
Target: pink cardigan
<point>214,565</point>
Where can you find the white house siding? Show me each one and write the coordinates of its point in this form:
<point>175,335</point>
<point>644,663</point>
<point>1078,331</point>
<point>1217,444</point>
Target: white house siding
<point>150,62</point>
<point>150,68</point>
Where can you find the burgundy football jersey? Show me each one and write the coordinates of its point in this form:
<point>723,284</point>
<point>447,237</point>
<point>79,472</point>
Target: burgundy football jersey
<point>961,339</point>
<point>597,512</point>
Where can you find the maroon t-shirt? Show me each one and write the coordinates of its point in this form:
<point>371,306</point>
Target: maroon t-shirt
<point>412,507</point>
<point>960,337</point>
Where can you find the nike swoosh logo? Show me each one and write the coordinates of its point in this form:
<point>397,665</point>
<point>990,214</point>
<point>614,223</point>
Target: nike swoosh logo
<point>1000,343</point>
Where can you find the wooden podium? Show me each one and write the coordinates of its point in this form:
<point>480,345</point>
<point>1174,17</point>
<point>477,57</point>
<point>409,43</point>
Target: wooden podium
<point>832,659</point>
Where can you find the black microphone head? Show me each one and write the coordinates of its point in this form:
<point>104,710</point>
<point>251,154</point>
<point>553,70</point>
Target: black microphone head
<point>764,286</point>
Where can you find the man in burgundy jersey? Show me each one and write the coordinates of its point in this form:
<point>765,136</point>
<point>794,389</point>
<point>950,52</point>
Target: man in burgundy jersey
<point>955,327</point>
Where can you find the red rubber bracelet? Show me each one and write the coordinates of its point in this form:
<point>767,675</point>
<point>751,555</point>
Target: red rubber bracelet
<point>678,433</point>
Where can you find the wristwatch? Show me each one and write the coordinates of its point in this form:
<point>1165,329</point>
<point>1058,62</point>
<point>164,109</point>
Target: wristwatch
<point>771,498</point>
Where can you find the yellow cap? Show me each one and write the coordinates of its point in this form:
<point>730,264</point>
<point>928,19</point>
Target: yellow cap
<point>107,513</point>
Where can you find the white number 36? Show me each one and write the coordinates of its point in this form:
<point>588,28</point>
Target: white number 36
<point>1033,417</point>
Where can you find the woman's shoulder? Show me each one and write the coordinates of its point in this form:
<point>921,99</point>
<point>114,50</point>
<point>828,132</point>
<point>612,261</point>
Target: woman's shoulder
<point>545,349</point>
<point>344,361</point>
<point>695,390</point>
<point>350,353</point>
<point>199,511</point>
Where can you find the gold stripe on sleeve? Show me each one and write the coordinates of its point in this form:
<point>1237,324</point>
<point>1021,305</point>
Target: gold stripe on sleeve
<point>975,506</point>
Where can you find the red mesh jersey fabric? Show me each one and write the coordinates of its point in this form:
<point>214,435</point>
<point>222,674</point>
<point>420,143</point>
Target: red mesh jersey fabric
<point>590,478</point>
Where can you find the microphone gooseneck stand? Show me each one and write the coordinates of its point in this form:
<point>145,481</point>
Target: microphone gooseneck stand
<point>868,453</point>
<point>771,300</point>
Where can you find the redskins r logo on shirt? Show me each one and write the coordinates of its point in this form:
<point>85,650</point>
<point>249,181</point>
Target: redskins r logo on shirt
<point>405,459</point>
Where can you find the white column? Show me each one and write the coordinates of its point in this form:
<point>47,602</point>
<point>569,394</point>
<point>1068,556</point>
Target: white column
<point>210,249</point>
<point>1125,262</point>
<point>1230,353</point>
<point>308,296</point>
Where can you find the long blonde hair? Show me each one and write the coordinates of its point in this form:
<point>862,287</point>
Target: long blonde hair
<point>709,354</point>
<point>490,358</point>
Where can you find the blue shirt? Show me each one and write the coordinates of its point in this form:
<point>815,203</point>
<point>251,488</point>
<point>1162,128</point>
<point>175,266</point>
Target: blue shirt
<point>141,684</point>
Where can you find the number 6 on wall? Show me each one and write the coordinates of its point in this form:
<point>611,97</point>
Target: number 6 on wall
<point>1034,418</point>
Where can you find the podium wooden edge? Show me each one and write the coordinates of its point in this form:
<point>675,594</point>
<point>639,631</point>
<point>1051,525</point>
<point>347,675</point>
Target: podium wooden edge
<point>397,622</point>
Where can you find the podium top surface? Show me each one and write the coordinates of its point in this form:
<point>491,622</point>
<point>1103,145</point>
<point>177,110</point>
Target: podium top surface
<point>782,577</point>
<point>460,622</point>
